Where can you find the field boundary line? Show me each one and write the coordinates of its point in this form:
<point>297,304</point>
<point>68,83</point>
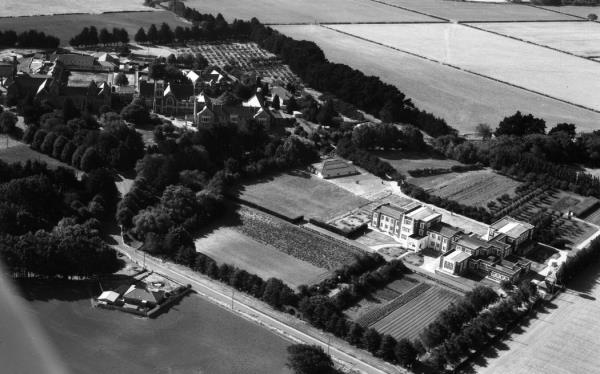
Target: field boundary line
<point>352,23</point>
<point>527,41</point>
<point>410,10</point>
<point>556,11</point>
<point>461,69</point>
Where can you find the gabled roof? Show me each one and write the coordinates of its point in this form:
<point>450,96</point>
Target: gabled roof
<point>445,229</point>
<point>142,294</point>
<point>423,214</point>
<point>181,91</point>
<point>254,102</point>
<point>72,60</point>
<point>193,76</point>
<point>457,256</point>
<point>337,167</point>
<point>391,211</point>
<point>110,296</point>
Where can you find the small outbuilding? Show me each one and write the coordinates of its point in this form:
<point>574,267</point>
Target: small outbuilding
<point>336,168</point>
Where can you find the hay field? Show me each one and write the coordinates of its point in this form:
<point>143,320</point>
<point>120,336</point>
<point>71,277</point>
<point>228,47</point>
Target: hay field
<point>562,339</point>
<point>307,11</point>
<point>579,38</point>
<point>538,69</point>
<point>475,188</point>
<point>68,25</point>
<point>574,10</point>
<point>462,99</point>
<point>404,165</point>
<point>301,194</point>
<point>17,8</point>
<point>229,246</point>
<point>477,11</point>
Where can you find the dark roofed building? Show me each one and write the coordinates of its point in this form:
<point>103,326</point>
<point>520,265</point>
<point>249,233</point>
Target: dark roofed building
<point>337,168</point>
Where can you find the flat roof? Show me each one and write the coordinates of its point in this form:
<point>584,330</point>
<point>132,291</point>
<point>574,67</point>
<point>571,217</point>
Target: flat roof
<point>391,211</point>
<point>457,256</point>
<point>511,227</point>
<point>422,214</point>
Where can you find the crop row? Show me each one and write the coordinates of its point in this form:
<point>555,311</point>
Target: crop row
<point>375,315</point>
<point>296,241</point>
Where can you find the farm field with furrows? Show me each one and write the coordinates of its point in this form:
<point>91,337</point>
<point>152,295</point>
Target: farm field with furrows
<point>248,57</point>
<point>301,194</point>
<point>226,245</point>
<point>461,98</point>
<point>475,188</point>
<point>68,25</point>
<point>308,11</point>
<point>579,38</point>
<point>478,11</point>
<point>304,244</point>
<point>409,320</point>
<point>538,69</point>
<point>16,8</point>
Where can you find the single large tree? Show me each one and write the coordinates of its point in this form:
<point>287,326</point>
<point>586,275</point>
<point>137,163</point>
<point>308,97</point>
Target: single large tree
<point>140,36</point>
<point>121,79</point>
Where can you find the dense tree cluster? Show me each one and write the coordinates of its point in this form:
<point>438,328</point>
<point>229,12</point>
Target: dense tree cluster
<point>28,39</point>
<point>437,171</point>
<point>77,139</point>
<point>578,262</point>
<point>68,250</point>
<point>386,136</point>
<point>309,359</point>
<point>90,36</point>
<point>366,160</point>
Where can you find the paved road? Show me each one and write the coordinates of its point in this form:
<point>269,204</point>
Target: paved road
<point>250,308</point>
<point>563,338</point>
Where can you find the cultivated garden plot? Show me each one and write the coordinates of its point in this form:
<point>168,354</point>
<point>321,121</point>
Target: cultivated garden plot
<point>477,11</point>
<point>248,57</point>
<point>308,11</point>
<point>66,26</point>
<point>474,188</point>
<point>304,244</point>
<point>579,38</point>
<point>461,98</point>
<point>226,245</point>
<point>567,78</point>
<point>409,319</point>
<point>16,8</point>
<point>294,194</point>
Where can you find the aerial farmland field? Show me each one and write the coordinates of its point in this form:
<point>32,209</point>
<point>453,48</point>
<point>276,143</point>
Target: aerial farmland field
<point>229,246</point>
<point>462,99</point>
<point>68,25</point>
<point>409,320</point>
<point>308,11</point>
<point>301,194</point>
<point>577,11</point>
<point>16,8</point>
<point>475,188</point>
<point>477,11</point>
<point>567,78</point>
<point>579,38</point>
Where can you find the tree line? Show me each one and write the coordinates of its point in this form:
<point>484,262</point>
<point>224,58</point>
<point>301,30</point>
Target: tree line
<point>579,262</point>
<point>308,61</point>
<point>28,39</point>
<point>90,36</point>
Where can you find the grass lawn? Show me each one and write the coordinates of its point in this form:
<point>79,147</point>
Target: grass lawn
<point>193,336</point>
<point>308,11</point>
<point>462,99</point>
<point>524,65</point>
<point>404,165</point>
<point>301,194</point>
<point>226,245</point>
<point>68,25</point>
<point>580,38</point>
<point>15,8</point>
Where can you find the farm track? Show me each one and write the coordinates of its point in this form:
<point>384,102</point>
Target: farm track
<point>409,320</point>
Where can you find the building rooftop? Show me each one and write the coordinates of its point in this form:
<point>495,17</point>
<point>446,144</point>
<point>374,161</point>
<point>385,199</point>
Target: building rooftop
<point>337,167</point>
<point>457,256</point>
<point>391,210</point>
<point>423,214</point>
<point>445,229</point>
<point>513,228</point>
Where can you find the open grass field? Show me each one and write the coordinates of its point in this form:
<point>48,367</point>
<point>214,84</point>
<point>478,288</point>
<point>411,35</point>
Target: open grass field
<point>311,246</point>
<point>534,68</point>
<point>294,194</point>
<point>226,245</point>
<point>560,339</point>
<point>462,99</point>
<point>478,11</point>
<point>68,25</point>
<point>579,38</point>
<point>22,153</point>
<point>17,8</point>
<point>577,11</point>
<point>194,336</point>
<point>308,11</point>
<point>593,217</point>
<point>475,188</point>
<point>409,320</point>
